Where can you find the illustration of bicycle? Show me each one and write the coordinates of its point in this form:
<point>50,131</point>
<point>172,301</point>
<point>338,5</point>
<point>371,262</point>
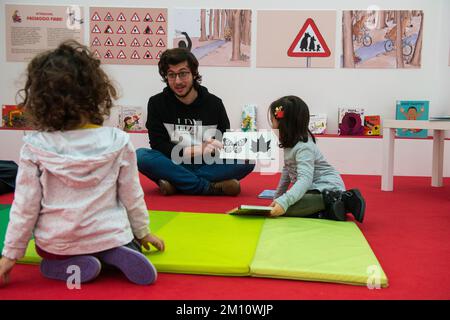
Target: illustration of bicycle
<point>407,47</point>
<point>365,38</point>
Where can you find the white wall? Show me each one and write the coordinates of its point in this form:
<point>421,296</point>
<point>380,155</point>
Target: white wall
<point>327,89</point>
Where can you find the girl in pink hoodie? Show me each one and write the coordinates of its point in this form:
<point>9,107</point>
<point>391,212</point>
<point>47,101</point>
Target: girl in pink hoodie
<point>77,189</point>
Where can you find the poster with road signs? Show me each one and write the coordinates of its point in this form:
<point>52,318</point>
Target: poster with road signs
<point>128,35</point>
<point>296,38</point>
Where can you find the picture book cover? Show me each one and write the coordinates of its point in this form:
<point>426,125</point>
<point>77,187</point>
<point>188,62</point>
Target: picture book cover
<point>267,194</point>
<point>131,118</point>
<point>318,123</point>
<point>248,118</point>
<point>412,110</point>
<point>372,125</point>
<point>250,210</point>
<point>12,117</point>
<point>351,121</point>
<point>249,145</point>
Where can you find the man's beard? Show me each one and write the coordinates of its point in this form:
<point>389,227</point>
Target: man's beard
<point>184,95</point>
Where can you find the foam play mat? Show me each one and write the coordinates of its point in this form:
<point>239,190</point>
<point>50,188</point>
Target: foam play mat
<point>221,244</point>
<point>316,250</point>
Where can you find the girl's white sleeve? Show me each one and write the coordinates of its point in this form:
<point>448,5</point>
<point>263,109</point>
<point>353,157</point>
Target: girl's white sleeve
<point>304,158</point>
<point>25,208</point>
<point>131,194</point>
<point>284,183</point>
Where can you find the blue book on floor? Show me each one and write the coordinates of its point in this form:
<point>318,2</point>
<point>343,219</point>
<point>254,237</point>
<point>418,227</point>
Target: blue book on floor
<point>267,194</point>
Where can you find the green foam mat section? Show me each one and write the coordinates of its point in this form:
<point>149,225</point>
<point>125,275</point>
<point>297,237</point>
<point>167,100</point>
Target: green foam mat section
<point>214,244</point>
<point>316,250</point>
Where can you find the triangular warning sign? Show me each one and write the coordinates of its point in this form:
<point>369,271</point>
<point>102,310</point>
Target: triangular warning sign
<point>160,43</point>
<point>121,30</point>
<point>135,18</point>
<point>148,55</point>
<point>135,43</point>
<point>135,55</point>
<point>109,55</point>
<point>148,18</point>
<point>96,29</point>
<point>158,55</point>
<point>109,42</point>
<point>108,17</point>
<point>135,30</point>
<point>121,43</point>
<point>148,30</point>
<point>96,54</point>
<point>309,42</point>
<point>148,43</point>
<point>160,30</point>
<point>160,18</point>
<point>96,42</point>
<point>96,17</point>
<point>121,17</point>
<point>109,29</point>
<point>121,55</point>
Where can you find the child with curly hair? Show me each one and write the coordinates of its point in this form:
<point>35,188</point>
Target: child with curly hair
<point>77,189</point>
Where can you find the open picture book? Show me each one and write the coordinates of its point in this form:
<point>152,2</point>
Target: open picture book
<point>251,210</point>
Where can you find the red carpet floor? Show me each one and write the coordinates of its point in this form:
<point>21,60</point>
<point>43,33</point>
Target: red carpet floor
<point>408,230</point>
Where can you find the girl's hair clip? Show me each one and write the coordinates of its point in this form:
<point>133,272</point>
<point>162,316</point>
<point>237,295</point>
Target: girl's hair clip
<point>279,112</point>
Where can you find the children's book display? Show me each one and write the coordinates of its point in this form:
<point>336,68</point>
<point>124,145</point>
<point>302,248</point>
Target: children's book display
<point>412,110</point>
<point>131,118</point>
<point>12,117</point>
<point>250,210</point>
<point>351,121</point>
<point>249,145</point>
<point>372,125</point>
<point>248,118</point>
<point>318,123</point>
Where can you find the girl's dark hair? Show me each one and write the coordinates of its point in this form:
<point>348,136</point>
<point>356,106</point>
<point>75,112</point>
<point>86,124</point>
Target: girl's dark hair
<point>175,56</point>
<point>293,125</point>
<point>66,88</point>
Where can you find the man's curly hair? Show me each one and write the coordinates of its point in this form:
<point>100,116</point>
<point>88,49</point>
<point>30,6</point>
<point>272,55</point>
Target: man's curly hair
<point>65,89</point>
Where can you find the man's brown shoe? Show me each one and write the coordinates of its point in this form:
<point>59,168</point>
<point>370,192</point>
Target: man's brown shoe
<point>166,188</point>
<point>227,187</point>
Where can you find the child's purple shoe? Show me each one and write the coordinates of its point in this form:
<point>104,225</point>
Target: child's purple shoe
<point>132,263</point>
<point>89,268</point>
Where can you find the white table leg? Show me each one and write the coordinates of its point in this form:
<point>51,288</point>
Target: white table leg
<point>438,158</point>
<point>387,174</point>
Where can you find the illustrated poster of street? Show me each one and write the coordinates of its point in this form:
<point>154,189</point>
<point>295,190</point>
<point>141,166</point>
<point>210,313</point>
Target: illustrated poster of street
<point>120,35</point>
<point>296,38</point>
<point>371,38</point>
<point>217,37</point>
<point>31,29</point>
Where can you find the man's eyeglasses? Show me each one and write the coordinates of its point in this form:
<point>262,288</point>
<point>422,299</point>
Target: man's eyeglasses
<point>182,75</point>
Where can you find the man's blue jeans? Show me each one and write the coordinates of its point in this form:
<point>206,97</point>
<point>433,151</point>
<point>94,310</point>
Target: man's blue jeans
<point>188,178</point>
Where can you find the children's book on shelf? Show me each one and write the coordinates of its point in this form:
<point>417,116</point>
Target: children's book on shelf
<point>248,118</point>
<point>412,110</point>
<point>318,123</point>
<point>372,125</point>
<point>13,117</point>
<point>267,194</point>
<point>351,121</point>
<point>131,118</point>
<point>249,145</point>
<point>250,210</point>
